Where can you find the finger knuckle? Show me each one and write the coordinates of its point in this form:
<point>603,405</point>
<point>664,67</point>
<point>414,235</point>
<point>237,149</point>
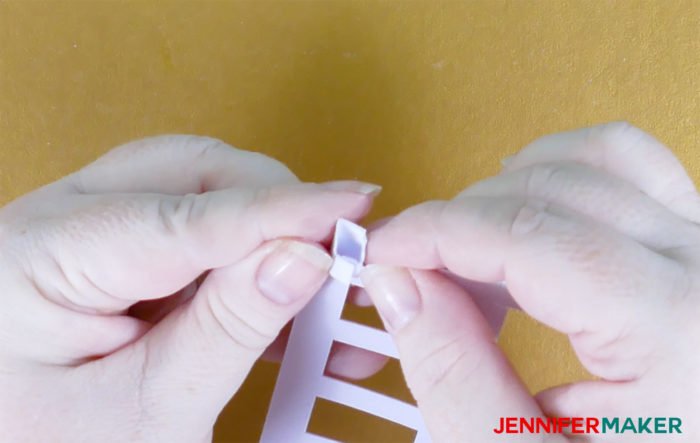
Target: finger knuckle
<point>257,208</point>
<point>203,144</point>
<point>4,231</point>
<point>197,146</point>
<point>446,365</point>
<point>256,161</point>
<point>241,329</point>
<point>250,161</point>
<point>619,129</point>
<point>542,177</point>
<point>618,138</point>
<point>437,213</point>
<point>138,147</point>
<point>19,239</point>
<point>529,218</point>
<point>182,213</point>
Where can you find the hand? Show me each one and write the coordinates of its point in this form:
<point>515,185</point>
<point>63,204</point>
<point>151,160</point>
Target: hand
<point>595,233</point>
<point>110,330</point>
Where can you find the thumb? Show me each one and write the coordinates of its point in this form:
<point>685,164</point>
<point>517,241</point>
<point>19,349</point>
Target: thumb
<point>198,356</point>
<point>461,381</point>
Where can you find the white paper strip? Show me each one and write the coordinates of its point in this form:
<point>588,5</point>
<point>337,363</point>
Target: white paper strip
<point>301,378</point>
<point>313,438</point>
<point>369,401</point>
<point>362,336</point>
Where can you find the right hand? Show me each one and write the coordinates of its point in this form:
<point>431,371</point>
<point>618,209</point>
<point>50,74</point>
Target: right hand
<point>595,233</point>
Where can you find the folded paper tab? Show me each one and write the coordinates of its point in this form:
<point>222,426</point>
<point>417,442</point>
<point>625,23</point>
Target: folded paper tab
<point>348,249</point>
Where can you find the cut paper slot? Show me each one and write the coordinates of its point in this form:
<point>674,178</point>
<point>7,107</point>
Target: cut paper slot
<point>301,378</point>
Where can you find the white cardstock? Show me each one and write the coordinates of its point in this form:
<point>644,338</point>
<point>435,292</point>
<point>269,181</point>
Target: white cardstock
<point>301,378</point>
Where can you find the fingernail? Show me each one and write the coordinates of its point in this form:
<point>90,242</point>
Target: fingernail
<point>394,293</point>
<point>293,270</point>
<point>354,186</point>
<point>507,161</point>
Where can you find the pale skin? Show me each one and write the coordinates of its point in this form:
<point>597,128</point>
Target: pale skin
<point>595,233</point>
<point>139,291</point>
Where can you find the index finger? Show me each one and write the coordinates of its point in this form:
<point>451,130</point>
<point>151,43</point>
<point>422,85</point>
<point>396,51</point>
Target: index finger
<point>569,272</point>
<point>178,165</point>
<point>622,150</point>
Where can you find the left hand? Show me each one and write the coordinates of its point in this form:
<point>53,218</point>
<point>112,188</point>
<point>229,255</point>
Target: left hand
<point>138,292</point>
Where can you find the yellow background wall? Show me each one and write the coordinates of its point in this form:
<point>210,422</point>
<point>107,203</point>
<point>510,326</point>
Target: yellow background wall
<point>422,97</point>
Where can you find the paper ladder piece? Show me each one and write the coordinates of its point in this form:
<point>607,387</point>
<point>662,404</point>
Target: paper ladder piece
<point>301,378</point>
